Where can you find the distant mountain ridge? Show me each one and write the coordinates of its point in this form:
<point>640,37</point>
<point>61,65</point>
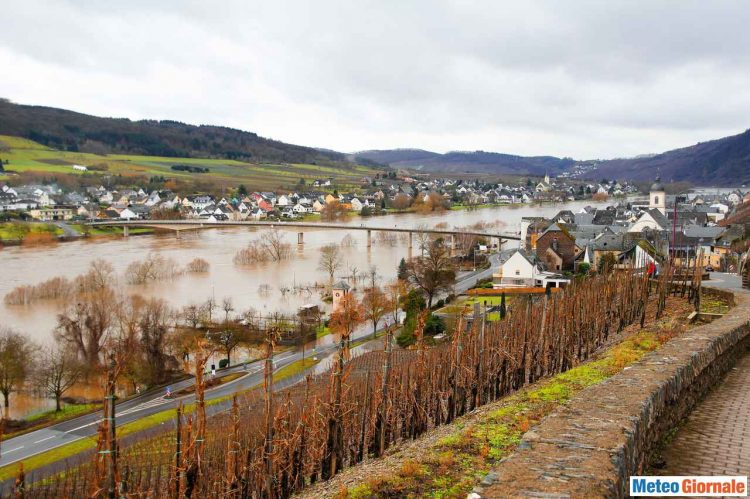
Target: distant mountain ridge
<point>720,162</point>
<point>468,161</point>
<point>724,161</point>
<point>72,131</point>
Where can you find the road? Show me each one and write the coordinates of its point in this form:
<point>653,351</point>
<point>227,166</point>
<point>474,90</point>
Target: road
<point>152,402</point>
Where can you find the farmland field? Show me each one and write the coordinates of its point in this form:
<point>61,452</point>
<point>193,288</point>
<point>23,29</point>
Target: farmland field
<point>25,155</point>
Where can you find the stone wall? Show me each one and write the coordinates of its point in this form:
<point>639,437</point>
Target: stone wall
<point>592,445</point>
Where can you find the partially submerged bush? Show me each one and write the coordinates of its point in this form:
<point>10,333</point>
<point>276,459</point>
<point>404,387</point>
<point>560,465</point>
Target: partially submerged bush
<point>154,268</point>
<point>197,265</point>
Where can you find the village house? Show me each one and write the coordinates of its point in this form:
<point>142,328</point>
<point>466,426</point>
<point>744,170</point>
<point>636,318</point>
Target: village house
<point>557,249</point>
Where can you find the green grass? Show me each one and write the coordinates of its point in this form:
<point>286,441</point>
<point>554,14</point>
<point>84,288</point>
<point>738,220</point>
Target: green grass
<point>294,368</point>
<point>19,230</point>
<point>26,155</point>
<point>322,331</point>
<point>466,304</point>
<point>67,411</point>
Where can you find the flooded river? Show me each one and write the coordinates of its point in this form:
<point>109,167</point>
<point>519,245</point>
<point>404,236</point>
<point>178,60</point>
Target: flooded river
<point>31,265</point>
<point>243,284</point>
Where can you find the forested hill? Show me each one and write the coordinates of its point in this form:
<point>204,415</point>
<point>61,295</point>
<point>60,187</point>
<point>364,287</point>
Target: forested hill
<point>724,161</point>
<point>471,161</point>
<point>71,131</point>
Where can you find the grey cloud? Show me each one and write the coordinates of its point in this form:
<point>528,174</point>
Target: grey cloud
<point>580,78</point>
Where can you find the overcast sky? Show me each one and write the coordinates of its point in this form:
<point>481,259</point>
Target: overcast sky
<point>595,79</point>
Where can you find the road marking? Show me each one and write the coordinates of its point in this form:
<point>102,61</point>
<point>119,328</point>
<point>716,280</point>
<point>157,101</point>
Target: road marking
<point>44,439</point>
<point>13,450</point>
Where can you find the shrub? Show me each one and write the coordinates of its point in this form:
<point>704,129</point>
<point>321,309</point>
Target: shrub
<point>434,325</point>
<point>223,363</point>
<point>197,265</point>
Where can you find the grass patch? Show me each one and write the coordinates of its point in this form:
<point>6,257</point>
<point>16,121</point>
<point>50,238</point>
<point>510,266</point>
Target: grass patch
<point>711,305</point>
<point>21,230</point>
<point>294,368</point>
<point>66,412</point>
<point>322,331</point>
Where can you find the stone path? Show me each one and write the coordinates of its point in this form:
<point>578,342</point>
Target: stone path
<point>716,437</point>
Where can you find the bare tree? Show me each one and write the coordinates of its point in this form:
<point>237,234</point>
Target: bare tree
<point>347,316</point>
<point>353,271</point>
<point>100,275</point>
<point>433,272</point>
<point>375,303</point>
<point>16,356</point>
<point>58,370</point>
<point>227,307</point>
<point>395,290</point>
<point>274,243</point>
<point>87,324</point>
<point>154,324</point>
<point>229,339</point>
<point>192,315</point>
<point>372,276</point>
<point>330,260</point>
<point>423,239</point>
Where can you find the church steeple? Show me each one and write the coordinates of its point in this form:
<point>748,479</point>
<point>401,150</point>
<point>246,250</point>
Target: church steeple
<point>657,196</point>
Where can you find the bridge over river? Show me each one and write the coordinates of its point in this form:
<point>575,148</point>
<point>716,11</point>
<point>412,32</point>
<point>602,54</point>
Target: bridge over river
<point>180,225</point>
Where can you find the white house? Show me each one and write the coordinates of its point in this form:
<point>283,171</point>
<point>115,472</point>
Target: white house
<point>356,204</point>
<point>128,214</point>
<point>517,271</point>
<point>652,219</point>
<point>302,208</point>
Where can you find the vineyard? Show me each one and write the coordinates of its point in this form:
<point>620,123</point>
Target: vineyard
<point>271,443</point>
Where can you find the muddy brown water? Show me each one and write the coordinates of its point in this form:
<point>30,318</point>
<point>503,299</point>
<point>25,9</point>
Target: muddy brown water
<point>31,265</point>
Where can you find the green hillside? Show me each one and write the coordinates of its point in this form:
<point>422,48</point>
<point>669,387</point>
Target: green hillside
<point>25,155</point>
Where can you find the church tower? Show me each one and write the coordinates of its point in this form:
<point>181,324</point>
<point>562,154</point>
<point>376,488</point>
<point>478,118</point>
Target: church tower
<point>657,196</point>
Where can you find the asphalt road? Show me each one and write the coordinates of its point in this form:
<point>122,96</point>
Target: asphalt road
<point>42,440</point>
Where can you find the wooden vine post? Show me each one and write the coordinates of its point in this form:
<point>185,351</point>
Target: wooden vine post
<point>268,398</point>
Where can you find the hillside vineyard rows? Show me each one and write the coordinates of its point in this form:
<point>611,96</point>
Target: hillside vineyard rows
<point>272,443</point>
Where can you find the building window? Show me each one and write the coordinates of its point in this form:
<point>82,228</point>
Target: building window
<point>656,199</point>
<point>518,272</point>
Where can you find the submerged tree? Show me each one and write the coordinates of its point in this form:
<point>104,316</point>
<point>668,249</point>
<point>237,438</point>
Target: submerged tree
<point>59,369</point>
<point>330,260</point>
<point>16,357</point>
